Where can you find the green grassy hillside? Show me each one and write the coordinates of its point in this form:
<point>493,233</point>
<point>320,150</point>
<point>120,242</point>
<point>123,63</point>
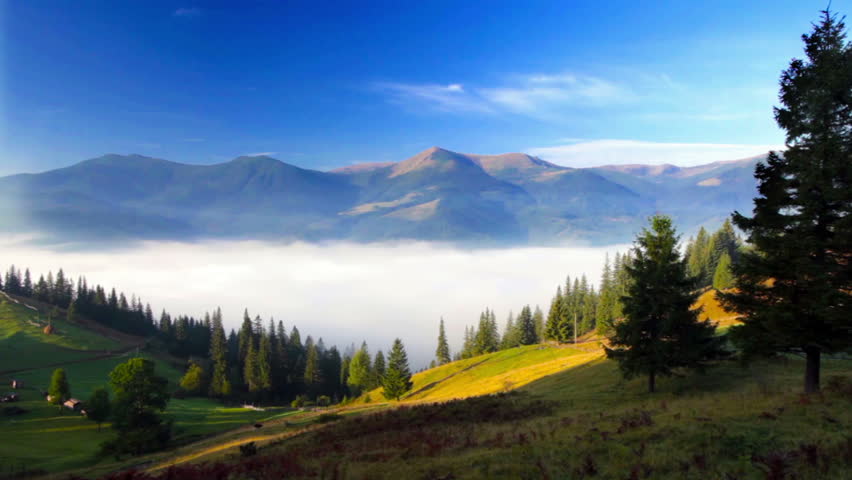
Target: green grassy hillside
<point>491,373</point>
<point>47,439</point>
<point>580,421</point>
<point>23,343</point>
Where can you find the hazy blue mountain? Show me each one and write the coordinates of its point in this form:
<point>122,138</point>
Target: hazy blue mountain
<point>434,195</point>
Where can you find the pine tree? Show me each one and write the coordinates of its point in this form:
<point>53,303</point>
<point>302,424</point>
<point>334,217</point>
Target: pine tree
<point>312,369</point>
<point>246,337</point>
<point>538,321</point>
<point>606,301</point>
<point>250,369</point>
<point>59,389</point>
<point>359,370</point>
<point>551,328</point>
<point>27,287</point>
<point>794,291</point>
<point>723,279</point>
<point>697,258</point>
<point>264,361</point>
<point>220,386</point>
<point>397,379</point>
<point>379,369</point>
<point>661,331</point>
<point>526,327</point>
<point>442,354</point>
<point>510,337</point>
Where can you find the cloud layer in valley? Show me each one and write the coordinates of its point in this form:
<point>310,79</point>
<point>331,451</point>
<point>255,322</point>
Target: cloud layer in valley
<point>343,293</point>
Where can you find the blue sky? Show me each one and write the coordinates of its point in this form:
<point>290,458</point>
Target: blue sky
<point>327,84</point>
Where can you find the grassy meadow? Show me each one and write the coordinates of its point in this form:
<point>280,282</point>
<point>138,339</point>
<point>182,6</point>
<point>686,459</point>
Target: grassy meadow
<point>47,439</point>
<point>584,422</point>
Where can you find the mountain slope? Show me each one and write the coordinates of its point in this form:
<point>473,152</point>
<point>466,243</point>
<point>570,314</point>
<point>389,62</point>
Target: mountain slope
<point>435,195</point>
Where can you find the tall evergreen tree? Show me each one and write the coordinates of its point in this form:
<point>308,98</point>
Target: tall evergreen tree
<point>246,337</point>
<point>220,386</point>
<point>442,354</point>
<point>379,369</point>
<point>551,328</point>
<point>538,321</point>
<point>264,361</point>
<point>359,370</point>
<point>795,290</point>
<point>526,327</point>
<point>397,379</point>
<point>723,279</point>
<point>661,331</point>
<point>251,372</point>
<point>312,369</point>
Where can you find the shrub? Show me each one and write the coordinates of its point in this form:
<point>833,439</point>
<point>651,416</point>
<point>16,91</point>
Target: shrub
<point>298,402</point>
<point>328,417</point>
<point>248,450</point>
<point>323,400</point>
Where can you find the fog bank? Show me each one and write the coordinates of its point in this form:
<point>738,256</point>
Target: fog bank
<point>341,292</point>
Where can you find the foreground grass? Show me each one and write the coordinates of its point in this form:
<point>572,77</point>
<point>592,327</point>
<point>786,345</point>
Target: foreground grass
<point>583,422</point>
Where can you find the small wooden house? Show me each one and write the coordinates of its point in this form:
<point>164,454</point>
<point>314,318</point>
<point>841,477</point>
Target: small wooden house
<point>16,384</point>
<point>73,404</point>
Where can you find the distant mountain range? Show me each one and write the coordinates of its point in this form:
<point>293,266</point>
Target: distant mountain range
<point>436,195</point>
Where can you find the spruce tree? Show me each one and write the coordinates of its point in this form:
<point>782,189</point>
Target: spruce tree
<point>246,337</point>
<point>250,369</point>
<point>526,327</point>
<point>220,386</point>
<point>264,362</point>
<point>312,370</point>
<point>59,389</point>
<point>794,291</point>
<point>723,279</point>
<point>538,321</point>
<point>661,331</point>
<point>379,369</point>
<point>397,379</point>
<point>359,370</point>
<point>442,354</point>
<point>551,328</point>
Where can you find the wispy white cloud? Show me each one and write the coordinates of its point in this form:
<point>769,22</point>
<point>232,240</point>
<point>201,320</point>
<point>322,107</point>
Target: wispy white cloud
<point>187,12</point>
<point>592,153</point>
<point>259,154</point>
<point>446,98</point>
<point>537,95</point>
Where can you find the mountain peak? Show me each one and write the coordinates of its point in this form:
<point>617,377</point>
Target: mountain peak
<point>434,158</point>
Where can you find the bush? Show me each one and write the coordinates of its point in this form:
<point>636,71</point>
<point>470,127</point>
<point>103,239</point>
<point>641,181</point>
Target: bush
<point>298,402</point>
<point>328,417</point>
<point>323,400</point>
<point>248,450</point>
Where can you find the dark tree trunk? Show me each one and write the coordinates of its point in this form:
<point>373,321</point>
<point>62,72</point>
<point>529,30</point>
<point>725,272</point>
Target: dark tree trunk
<point>812,370</point>
<point>652,382</point>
